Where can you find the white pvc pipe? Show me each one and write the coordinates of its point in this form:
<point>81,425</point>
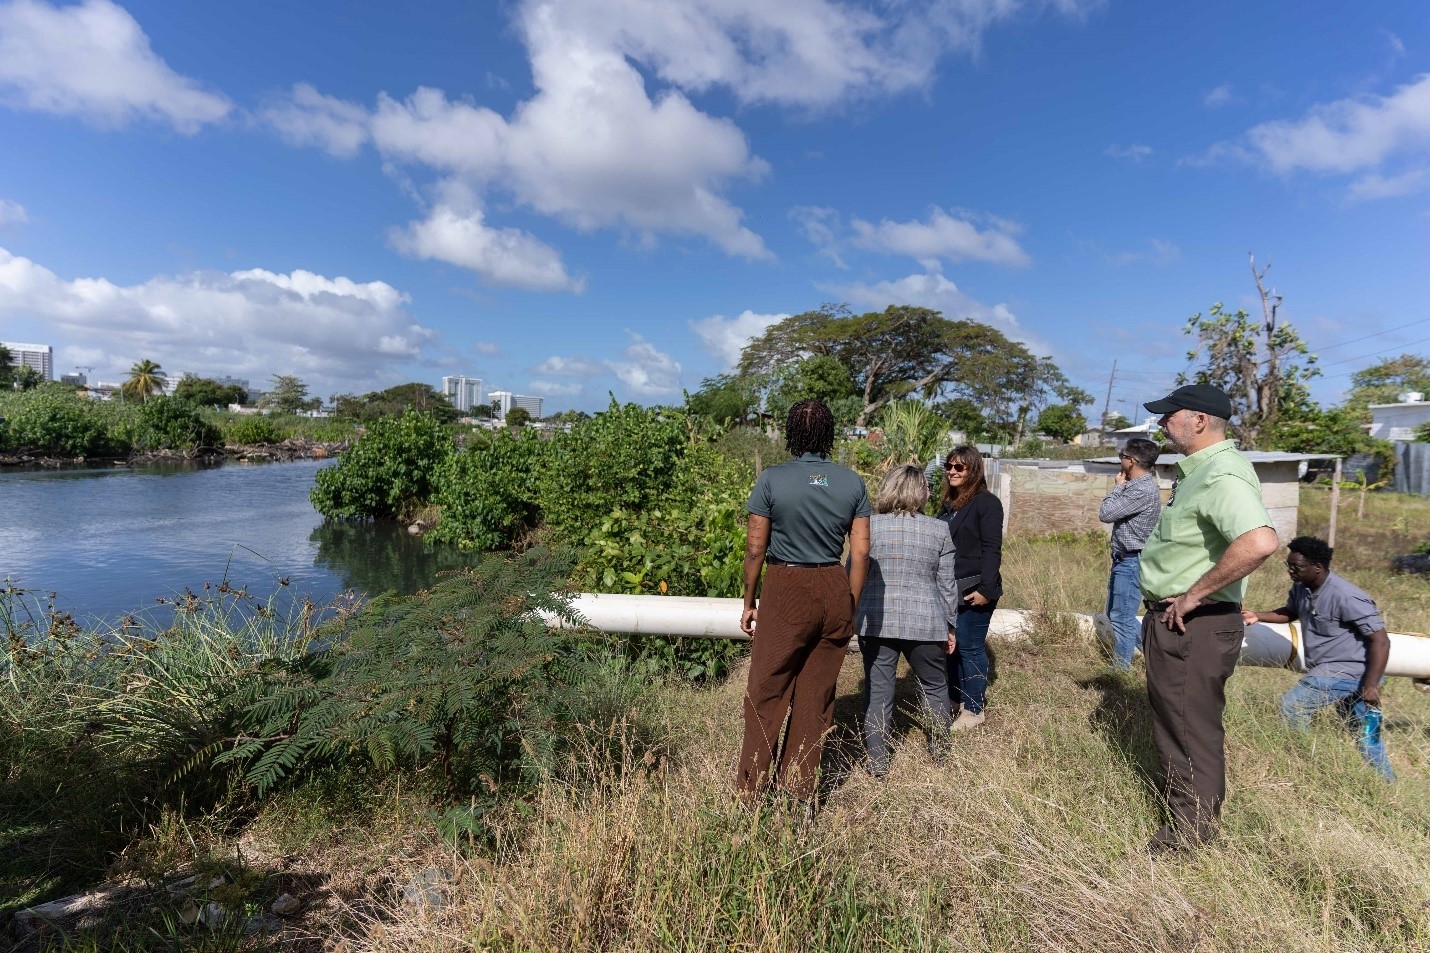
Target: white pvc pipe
<point>699,617</point>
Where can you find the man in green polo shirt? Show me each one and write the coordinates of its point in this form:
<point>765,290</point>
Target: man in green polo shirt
<point>1212,534</point>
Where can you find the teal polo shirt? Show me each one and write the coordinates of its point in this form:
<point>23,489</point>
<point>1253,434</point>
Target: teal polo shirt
<point>810,503</point>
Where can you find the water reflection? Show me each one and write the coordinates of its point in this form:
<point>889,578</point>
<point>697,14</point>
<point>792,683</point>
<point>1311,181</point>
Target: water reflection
<point>372,558</point>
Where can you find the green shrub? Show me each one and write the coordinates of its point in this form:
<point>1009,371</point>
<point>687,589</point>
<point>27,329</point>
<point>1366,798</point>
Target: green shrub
<point>624,458</point>
<point>253,429</point>
<point>691,543</point>
<point>52,419</point>
<point>464,684</point>
<point>388,472</point>
<point>485,491</point>
<point>166,423</point>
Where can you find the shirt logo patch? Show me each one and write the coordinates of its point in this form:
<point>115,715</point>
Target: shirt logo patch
<point>819,479</point>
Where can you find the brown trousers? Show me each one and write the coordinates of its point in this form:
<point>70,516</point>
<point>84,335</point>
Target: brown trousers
<point>1186,684</point>
<point>805,622</point>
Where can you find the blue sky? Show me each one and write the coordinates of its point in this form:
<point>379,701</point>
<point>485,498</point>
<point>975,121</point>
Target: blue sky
<point>568,198</point>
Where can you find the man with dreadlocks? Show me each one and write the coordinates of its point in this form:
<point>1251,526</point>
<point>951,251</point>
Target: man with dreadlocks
<point>800,513</point>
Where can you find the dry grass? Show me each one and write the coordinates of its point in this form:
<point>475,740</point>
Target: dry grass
<point>1029,836</point>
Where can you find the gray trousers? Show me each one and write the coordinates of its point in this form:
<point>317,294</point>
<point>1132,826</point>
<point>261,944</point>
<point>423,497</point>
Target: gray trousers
<point>881,662</point>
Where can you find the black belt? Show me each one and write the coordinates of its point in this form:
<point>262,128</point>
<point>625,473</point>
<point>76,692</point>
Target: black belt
<point>1128,554</point>
<point>1210,608</point>
<point>781,562</point>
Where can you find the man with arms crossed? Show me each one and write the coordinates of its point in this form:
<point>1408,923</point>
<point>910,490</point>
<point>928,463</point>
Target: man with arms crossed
<point>1212,534</point>
<point>1132,508</point>
<point>800,512</point>
<point>1346,645</point>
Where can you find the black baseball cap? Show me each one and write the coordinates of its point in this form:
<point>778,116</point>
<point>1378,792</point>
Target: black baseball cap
<point>1203,398</point>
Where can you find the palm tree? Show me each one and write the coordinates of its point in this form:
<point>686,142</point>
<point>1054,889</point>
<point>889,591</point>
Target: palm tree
<point>145,378</point>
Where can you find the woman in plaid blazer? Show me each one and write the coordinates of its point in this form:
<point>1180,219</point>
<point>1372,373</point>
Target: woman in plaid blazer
<point>907,607</point>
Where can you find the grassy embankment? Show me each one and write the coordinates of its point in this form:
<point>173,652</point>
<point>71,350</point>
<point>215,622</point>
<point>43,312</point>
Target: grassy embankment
<point>1029,836</point>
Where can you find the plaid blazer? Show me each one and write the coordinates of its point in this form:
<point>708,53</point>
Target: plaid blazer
<point>910,593</point>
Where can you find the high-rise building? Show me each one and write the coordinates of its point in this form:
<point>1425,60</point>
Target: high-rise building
<point>464,392</point>
<point>39,356</point>
<point>503,402</point>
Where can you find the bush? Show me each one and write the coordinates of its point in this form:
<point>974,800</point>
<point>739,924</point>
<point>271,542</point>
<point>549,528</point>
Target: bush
<point>249,430</point>
<point>691,543</point>
<point>166,423</point>
<point>625,458</point>
<point>52,419</point>
<point>388,472</point>
<point>485,492</point>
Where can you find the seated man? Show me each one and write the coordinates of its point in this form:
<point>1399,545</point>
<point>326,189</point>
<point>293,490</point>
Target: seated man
<point>1346,646</point>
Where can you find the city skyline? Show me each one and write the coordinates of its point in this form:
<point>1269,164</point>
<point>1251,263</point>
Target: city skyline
<point>587,204</point>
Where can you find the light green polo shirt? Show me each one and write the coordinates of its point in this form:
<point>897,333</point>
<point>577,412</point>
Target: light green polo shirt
<point>1217,498</point>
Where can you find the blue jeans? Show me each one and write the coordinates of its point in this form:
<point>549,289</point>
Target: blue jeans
<point>1314,692</point>
<point>968,667</point>
<point>1124,597</point>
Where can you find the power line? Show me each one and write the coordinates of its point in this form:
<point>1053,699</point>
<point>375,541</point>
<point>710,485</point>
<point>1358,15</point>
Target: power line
<point>1397,347</point>
<point>1399,327</point>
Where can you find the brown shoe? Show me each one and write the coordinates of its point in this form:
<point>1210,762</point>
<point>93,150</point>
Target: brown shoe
<point>968,719</point>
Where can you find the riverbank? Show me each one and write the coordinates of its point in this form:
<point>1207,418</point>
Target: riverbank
<point>284,451</point>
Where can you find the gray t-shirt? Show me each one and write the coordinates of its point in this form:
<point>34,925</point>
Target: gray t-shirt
<point>810,503</point>
<point>1335,619</point>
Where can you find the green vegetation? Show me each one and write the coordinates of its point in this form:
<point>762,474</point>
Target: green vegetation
<point>387,473</point>
<point>579,803</point>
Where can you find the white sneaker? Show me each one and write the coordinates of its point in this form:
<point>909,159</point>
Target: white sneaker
<point>968,719</point>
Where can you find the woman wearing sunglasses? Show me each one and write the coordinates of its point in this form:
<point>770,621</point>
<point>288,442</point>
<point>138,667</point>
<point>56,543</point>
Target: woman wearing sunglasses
<point>975,521</point>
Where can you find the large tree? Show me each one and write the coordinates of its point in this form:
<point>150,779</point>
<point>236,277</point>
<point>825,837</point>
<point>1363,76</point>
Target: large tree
<point>905,350</point>
<point>1061,422</point>
<point>146,378</point>
<point>1262,364</point>
<point>288,395</point>
<point>7,361</point>
<point>206,392</point>
<point>727,399</point>
<point>1383,383</point>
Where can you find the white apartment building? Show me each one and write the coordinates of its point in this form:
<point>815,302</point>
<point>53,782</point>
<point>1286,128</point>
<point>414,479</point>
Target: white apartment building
<point>39,356</point>
<point>503,402</point>
<point>464,392</point>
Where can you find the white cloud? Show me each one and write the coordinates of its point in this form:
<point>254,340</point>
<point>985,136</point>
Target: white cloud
<point>647,370</point>
<point>486,348</point>
<point>1219,96</point>
<point>594,147</point>
<point>942,237</point>
<point>937,292</point>
<point>1396,44</point>
<point>333,332</point>
<point>12,213</point>
<point>502,256</point>
<point>1375,186</point>
<point>1348,135</point>
<point>643,368</point>
<point>93,60</point>
<point>308,118</point>
<point>1135,152</point>
<point>821,225</point>
<point>807,53</point>
<point>552,388</point>
<point>557,366</point>
<point>726,337</point>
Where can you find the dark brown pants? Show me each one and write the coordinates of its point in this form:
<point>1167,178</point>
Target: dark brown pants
<point>1186,684</point>
<point>801,635</point>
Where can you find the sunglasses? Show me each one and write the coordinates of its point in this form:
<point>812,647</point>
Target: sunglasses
<point>956,467</point>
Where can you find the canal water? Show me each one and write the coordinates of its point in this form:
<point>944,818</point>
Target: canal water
<point>110,542</point>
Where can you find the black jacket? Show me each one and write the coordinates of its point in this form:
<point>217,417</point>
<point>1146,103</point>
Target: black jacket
<point>978,542</point>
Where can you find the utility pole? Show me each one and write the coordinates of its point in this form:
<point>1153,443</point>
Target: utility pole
<point>1107,404</point>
